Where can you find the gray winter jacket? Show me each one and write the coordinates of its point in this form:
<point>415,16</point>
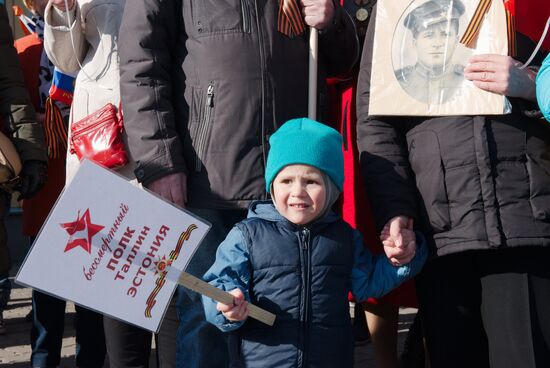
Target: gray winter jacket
<point>17,114</point>
<point>204,84</point>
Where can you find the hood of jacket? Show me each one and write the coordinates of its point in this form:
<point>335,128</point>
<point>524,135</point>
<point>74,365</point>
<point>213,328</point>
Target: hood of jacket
<point>266,210</point>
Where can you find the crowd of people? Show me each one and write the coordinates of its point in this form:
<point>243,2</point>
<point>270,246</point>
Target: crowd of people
<point>448,214</point>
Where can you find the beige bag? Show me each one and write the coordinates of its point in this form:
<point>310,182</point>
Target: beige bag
<point>10,164</point>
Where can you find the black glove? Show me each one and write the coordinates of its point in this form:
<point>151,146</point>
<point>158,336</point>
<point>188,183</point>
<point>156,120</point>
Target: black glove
<point>33,177</point>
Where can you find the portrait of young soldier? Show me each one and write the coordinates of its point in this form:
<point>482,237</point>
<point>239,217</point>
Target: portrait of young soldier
<point>433,78</point>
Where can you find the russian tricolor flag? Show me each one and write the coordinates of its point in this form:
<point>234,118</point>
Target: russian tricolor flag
<point>62,87</point>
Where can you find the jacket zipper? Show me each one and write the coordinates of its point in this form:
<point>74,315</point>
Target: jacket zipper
<point>203,128</point>
<point>246,16</point>
<point>305,249</point>
<point>262,70</point>
<point>106,119</point>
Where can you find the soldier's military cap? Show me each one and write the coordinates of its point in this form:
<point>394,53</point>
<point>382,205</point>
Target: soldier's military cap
<point>433,12</point>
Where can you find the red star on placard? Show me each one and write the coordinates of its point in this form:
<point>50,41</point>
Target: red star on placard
<point>81,224</point>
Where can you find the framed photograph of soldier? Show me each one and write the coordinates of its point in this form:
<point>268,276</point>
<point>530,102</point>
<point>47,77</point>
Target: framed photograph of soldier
<point>420,50</point>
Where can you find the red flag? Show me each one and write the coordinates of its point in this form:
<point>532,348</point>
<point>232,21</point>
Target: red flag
<point>530,18</point>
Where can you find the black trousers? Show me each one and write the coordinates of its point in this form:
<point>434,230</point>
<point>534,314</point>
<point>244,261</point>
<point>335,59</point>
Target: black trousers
<point>487,308</point>
<point>130,346</point>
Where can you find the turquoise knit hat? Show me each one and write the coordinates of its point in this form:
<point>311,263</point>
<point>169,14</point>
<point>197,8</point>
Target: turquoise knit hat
<point>305,141</point>
<point>543,88</point>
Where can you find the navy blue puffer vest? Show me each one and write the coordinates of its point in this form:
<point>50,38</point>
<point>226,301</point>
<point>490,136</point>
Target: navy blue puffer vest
<point>303,275</point>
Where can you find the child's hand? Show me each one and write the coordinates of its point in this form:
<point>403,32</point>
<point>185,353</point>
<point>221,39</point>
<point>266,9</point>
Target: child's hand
<point>238,311</point>
<point>399,250</point>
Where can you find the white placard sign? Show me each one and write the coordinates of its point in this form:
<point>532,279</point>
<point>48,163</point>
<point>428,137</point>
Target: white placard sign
<point>112,247</point>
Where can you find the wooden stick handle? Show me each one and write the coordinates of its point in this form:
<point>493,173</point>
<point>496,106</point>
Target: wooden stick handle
<point>312,86</point>
<point>204,288</point>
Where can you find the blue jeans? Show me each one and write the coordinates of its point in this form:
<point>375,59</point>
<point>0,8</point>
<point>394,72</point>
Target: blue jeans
<point>47,333</point>
<point>48,323</point>
<point>5,259</point>
<point>200,344</point>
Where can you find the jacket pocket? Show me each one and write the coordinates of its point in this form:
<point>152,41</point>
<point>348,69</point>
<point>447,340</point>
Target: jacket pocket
<point>204,114</point>
<point>427,164</point>
<point>538,168</point>
<point>280,343</point>
<point>221,16</point>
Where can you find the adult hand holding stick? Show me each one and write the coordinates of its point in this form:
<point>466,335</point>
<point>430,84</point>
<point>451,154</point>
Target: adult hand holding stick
<point>317,14</point>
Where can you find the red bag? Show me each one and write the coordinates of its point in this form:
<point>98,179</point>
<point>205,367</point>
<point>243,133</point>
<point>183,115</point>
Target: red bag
<point>98,137</point>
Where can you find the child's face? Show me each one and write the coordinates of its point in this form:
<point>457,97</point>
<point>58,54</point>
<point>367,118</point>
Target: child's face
<point>299,193</point>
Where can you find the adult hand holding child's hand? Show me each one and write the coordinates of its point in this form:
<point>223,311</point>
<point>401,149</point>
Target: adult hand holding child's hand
<point>399,240</point>
<point>238,311</point>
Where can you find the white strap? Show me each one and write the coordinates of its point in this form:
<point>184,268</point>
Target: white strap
<point>538,45</point>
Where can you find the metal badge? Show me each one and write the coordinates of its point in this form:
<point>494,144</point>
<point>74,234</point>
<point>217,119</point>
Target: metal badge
<point>361,14</point>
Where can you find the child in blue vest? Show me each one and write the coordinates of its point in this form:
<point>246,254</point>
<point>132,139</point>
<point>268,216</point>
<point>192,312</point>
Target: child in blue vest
<point>296,258</point>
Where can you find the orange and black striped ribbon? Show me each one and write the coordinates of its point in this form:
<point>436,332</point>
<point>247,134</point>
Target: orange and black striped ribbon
<point>290,21</point>
<point>469,38</point>
<point>55,130</point>
<point>471,34</point>
<point>511,27</point>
